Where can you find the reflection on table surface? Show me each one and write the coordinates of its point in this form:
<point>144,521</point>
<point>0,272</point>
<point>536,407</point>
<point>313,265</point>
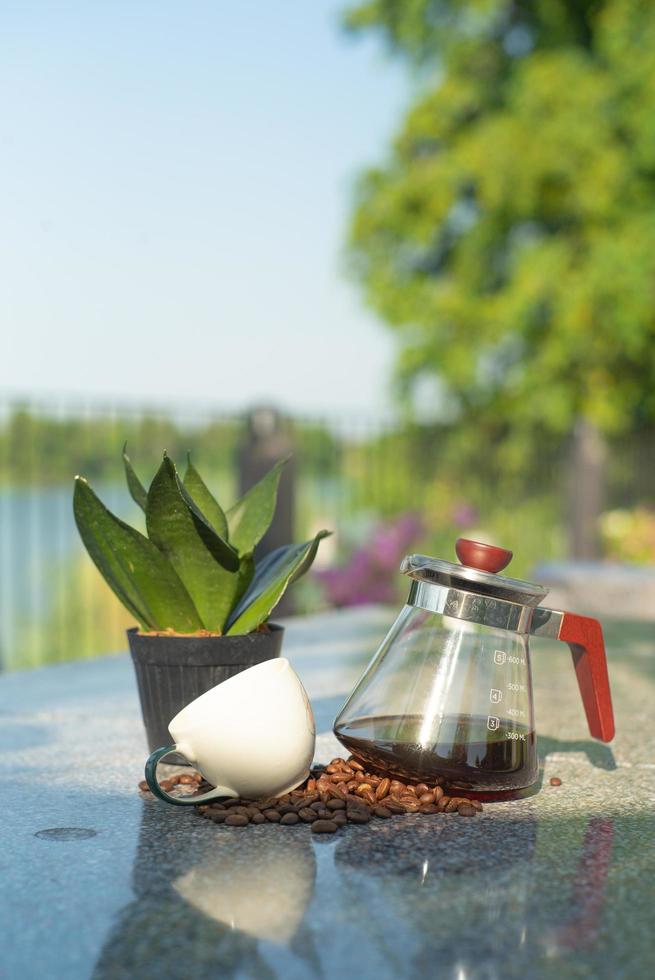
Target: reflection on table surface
<point>410,897</point>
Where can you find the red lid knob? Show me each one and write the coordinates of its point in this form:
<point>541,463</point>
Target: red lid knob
<point>485,557</point>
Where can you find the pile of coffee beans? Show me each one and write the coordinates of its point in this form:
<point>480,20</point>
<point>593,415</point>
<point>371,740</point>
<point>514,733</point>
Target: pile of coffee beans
<point>333,795</point>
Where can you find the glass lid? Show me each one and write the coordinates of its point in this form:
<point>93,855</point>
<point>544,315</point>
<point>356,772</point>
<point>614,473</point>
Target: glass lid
<point>478,572</point>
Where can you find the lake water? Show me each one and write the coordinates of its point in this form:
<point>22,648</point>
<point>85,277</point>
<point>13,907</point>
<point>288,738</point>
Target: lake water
<point>38,543</point>
<point>46,614</point>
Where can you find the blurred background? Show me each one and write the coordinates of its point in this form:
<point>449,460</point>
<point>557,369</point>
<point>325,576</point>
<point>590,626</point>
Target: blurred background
<point>410,241</point>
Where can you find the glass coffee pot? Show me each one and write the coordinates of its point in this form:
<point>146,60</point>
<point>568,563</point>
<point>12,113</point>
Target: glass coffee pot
<point>448,695</point>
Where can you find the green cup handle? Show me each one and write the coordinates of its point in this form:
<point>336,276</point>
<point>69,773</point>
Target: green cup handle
<point>151,779</point>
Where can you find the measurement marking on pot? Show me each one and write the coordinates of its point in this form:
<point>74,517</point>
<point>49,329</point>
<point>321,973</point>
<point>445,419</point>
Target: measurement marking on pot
<point>516,712</point>
<point>495,695</point>
<point>500,657</point>
<point>517,687</point>
<point>516,736</point>
<point>493,723</point>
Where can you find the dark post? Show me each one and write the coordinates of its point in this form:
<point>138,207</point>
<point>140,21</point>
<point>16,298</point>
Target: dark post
<point>268,438</point>
<point>586,490</point>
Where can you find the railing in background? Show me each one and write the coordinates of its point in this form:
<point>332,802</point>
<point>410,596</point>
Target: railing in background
<point>348,474</point>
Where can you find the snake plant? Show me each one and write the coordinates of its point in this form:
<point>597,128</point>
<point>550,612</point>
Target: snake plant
<point>195,570</point>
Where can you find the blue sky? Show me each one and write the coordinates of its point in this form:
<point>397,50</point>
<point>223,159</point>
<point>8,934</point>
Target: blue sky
<point>176,180</point>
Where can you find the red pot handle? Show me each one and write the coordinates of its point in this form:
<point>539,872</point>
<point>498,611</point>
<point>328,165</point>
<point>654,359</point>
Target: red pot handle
<point>585,637</point>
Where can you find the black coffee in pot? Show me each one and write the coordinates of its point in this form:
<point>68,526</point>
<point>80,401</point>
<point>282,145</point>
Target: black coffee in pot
<point>460,749</point>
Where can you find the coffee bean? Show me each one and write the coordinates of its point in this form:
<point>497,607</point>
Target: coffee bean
<point>289,819</point>
<point>166,785</point>
<point>337,791</point>
<point>466,810</point>
<point>477,805</point>
<point>369,796</point>
<point>237,820</point>
<point>428,808</point>
<point>307,815</point>
<point>382,789</point>
<point>218,816</point>
<point>272,816</point>
<point>216,806</point>
<point>186,780</point>
<point>317,805</point>
<point>410,806</point>
<point>358,816</point>
<point>352,785</point>
<point>311,785</point>
<point>337,762</point>
<point>426,797</point>
<point>324,827</point>
<point>354,764</point>
<point>335,805</point>
<point>555,781</point>
<point>332,768</point>
<point>232,802</point>
<point>443,803</point>
<point>339,818</point>
<point>393,806</point>
<point>363,788</point>
<point>411,790</point>
<point>143,786</point>
<point>311,798</point>
<point>438,793</point>
<point>422,788</point>
<point>340,777</point>
<point>452,805</point>
<point>382,811</point>
<point>258,818</point>
<point>285,808</point>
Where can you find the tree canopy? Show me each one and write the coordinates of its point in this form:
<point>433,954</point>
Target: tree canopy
<point>509,237</point>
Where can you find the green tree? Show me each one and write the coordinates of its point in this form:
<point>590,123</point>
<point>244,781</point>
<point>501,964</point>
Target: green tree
<point>509,237</point>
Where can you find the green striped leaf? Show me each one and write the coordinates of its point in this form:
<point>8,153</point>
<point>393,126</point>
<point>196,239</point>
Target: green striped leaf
<point>272,577</point>
<point>133,567</point>
<point>137,490</point>
<point>250,518</point>
<point>209,567</point>
<point>204,499</point>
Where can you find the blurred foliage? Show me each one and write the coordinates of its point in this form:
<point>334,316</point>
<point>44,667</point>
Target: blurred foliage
<point>42,448</point>
<point>629,535</point>
<point>509,238</point>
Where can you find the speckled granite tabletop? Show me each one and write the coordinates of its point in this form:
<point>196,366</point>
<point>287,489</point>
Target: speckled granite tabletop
<point>560,884</point>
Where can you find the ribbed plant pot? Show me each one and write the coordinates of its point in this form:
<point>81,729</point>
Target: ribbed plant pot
<point>172,671</point>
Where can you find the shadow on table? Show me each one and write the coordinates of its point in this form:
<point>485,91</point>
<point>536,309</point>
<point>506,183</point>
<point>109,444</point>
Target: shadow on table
<point>599,754</point>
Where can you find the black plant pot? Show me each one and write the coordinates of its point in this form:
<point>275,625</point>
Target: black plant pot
<point>172,671</point>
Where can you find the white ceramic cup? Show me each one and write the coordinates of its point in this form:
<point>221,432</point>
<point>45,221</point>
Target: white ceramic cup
<point>251,736</point>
